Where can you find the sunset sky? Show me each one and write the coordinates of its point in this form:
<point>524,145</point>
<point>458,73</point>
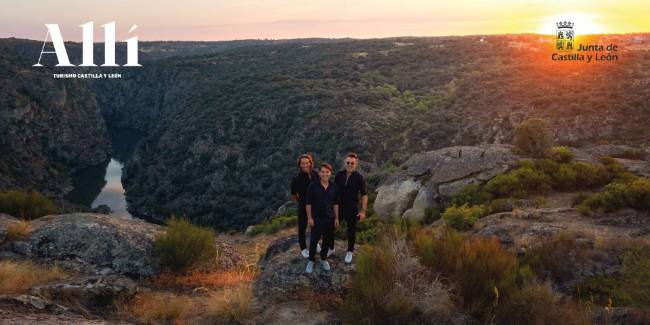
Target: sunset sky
<point>243,19</point>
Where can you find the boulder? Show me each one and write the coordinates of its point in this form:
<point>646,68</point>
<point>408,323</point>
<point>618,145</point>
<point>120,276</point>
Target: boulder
<point>31,303</point>
<point>638,167</point>
<point>395,198</point>
<point>92,244</point>
<point>33,310</point>
<point>92,294</point>
<point>5,221</point>
<point>283,274</point>
<point>428,177</point>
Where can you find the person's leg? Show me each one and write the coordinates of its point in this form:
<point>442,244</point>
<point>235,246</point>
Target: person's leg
<point>328,235</point>
<point>302,226</point>
<point>351,220</point>
<point>330,240</point>
<point>314,236</point>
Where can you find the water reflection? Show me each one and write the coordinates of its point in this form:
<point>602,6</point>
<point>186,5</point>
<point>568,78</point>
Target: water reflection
<point>102,184</point>
<point>112,194</point>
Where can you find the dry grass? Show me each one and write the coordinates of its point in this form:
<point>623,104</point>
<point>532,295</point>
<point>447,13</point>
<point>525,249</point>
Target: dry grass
<point>391,286</point>
<point>231,306</point>
<point>18,276</point>
<point>157,308</point>
<point>19,230</point>
<point>538,304</point>
<point>216,279</point>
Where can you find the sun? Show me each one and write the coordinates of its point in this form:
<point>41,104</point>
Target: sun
<point>584,23</point>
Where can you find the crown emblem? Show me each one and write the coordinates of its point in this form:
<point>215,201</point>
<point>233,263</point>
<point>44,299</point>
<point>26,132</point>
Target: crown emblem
<point>564,24</point>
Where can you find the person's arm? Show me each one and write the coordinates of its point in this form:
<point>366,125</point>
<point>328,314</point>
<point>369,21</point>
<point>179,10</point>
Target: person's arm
<point>364,200</point>
<point>310,220</point>
<point>336,215</point>
<point>364,205</point>
<point>308,202</point>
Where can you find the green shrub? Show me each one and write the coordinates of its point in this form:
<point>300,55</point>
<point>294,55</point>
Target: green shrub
<point>479,269</point>
<point>274,225</point>
<point>462,217</point>
<point>533,137</point>
<point>590,175</point>
<point>518,183</point>
<point>471,194</point>
<point>184,246</point>
<point>560,154</point>
<point>502,185</point>
<point>630,286</point>
<point>546,166</point>
<point>368,230</point>
<point>525,163</point>
<point>616,169</point>
<point>26,205</point>
<point>617,195</point>
<point>574,175</point>
<point>564,179</point>
<point>501,205</point>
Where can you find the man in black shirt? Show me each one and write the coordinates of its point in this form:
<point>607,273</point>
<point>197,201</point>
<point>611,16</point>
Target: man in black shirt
<point>321,204</point>
<point>351,185</point>
<point>306,175</point>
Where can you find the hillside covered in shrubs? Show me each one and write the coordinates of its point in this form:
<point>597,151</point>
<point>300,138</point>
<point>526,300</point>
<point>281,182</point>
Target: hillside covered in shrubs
<point>224,122</point>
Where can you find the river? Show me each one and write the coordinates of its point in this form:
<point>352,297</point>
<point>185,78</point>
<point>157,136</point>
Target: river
<point>102,184</point>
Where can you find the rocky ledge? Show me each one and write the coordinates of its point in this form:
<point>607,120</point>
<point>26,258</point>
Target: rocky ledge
<point>88,243</point>
<point>283,274</point>
<point>428,177</point>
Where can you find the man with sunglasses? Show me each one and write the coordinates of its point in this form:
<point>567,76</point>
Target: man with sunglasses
<point>352,186</point>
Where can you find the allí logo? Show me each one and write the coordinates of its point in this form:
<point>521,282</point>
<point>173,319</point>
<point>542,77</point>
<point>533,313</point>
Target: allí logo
<point>54,32</point>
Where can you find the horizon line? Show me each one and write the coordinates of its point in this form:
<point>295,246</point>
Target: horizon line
<point>345,37</point>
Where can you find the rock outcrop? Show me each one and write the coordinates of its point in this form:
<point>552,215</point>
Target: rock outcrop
<point>283,274</point>
<point>430,176</point>
<point>92,294</point>
<point>618,151</point>
<point>91,244</point>
<point>33,310</point>
<point>5,221</point>
<point>523,230</point>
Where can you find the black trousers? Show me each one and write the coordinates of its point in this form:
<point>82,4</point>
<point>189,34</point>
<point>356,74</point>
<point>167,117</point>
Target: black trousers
<point>351,219</point>
<point>302,226</point>
<point>324,229</point>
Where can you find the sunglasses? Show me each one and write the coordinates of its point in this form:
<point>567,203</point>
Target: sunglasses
<point>350,163</point>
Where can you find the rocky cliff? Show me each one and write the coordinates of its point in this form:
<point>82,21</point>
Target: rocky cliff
<point>49,128</point>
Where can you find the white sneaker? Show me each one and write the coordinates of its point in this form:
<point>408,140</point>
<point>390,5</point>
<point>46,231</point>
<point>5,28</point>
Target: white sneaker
<point>310,267</point>
<point>325,265</point>
<point>318,248</point>
<point>330,252</point>
<point>348,257</point>
<point>305,253</point>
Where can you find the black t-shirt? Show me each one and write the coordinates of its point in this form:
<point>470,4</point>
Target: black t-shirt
<point>322,201</point>
<point>300,183</point>
<point>350,188</point>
